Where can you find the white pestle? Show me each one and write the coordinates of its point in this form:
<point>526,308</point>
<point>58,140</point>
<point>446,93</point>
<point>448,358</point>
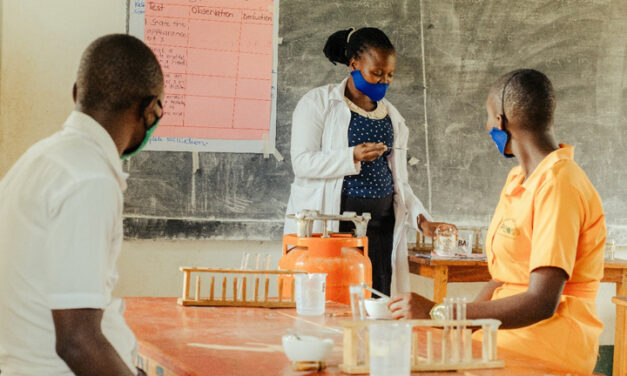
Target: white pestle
<point>380,294</point>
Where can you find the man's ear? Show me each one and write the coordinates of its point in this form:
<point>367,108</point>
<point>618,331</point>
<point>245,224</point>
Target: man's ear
<point>145,107</point>
<point>74,90</point>
<point>500,121</point>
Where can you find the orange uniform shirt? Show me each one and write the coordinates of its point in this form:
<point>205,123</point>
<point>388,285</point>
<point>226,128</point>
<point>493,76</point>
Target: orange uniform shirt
<point>553,218</point>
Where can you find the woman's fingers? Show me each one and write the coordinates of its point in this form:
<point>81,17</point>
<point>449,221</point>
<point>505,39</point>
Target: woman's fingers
<point>369,151</point>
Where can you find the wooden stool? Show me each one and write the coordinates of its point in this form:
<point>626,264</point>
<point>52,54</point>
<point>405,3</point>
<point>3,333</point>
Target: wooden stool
<point>620,336</point>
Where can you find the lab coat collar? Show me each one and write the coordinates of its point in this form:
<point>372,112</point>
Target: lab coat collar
<point>337,94</point>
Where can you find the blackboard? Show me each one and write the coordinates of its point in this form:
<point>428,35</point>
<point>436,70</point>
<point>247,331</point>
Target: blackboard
<point>579,44</point>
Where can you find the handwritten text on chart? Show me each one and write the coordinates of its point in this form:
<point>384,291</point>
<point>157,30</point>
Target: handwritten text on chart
<point>216,56</point>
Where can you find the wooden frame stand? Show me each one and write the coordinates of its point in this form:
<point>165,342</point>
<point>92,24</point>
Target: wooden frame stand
<point>452,352</point>
<point>236,282</point>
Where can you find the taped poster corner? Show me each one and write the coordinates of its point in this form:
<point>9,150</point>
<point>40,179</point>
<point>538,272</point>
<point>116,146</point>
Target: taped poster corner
<point>269,148</point>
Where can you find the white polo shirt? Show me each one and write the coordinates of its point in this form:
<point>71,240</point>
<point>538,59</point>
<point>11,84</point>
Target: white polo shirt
<point>60,235</point>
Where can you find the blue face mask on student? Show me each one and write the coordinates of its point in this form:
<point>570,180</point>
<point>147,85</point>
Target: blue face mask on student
<point>500,138</point>
<point>375,92</point>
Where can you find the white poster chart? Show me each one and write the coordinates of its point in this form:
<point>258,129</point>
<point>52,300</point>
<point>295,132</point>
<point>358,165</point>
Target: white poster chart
<point>219,59</point>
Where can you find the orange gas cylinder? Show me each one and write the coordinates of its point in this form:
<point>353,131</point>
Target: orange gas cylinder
<point>342,257</point>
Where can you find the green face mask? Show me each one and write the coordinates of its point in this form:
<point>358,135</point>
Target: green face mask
<point>128,154</point>
<point>138,148</point>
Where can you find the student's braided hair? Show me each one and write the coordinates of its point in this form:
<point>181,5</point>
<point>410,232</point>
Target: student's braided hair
<point>343,45</point>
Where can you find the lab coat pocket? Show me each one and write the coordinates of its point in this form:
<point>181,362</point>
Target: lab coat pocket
<point>304,198</point>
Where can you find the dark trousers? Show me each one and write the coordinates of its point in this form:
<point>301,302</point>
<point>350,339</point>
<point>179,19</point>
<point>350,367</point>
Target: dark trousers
<point>380,235</point>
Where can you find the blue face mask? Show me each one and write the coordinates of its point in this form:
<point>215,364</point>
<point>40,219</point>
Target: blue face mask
<point>375,92</point>
<point>500,138</point>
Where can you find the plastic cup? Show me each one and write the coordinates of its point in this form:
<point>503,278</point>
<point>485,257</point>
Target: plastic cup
<point>310,293</point>
<point>465,242</point>
<point>390,349</point>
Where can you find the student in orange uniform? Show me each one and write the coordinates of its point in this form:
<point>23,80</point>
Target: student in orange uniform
<point>545,242</point>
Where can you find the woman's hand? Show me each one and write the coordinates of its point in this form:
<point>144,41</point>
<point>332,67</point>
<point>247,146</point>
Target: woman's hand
<point>428,228</point>
<point>409,305</point>
<point>368,151</point>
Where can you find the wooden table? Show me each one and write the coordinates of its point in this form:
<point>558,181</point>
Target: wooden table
<point>193,341</point>
<point>445,271</point>
<point>620,340</point>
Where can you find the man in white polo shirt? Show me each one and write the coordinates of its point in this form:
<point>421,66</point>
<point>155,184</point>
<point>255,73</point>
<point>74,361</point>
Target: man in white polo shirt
<point>61,222</point>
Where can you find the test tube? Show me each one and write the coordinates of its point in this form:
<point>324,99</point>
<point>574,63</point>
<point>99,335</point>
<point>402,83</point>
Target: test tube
<point>610,249</point>
<point>493,329</point>
<point>243,266</point>
<point>467,345</point>
<point>257,261</point>
<point>429,347</point>
<point>358,309</point>
<point>446,330</point>
<point>455,345</point>
<point>244,261</point>
<point>461,315</point>
<point>457,340</point>
<point>485,353</point>
<point>268,257</point>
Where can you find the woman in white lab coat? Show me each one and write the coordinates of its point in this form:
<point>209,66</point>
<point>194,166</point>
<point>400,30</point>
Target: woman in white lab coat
<point>348,153</point>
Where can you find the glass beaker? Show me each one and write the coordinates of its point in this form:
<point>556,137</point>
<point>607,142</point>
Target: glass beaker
<point>390,349</point>
<point>610,249</point>
<point>446,240</point>
<point>310,293</point>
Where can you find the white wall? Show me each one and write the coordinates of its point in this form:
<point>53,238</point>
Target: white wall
<point>41,43</point>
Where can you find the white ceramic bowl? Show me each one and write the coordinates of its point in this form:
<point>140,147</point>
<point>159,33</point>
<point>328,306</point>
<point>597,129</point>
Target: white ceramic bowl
<point>307,348</point>
<point>378,308</point>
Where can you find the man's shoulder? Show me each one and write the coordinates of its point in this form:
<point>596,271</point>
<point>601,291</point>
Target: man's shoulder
<point>59,164</point>
<point>78,156</point>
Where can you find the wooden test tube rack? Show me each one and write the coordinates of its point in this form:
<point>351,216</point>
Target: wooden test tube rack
<point>428,360</point>
<point>219,279</point>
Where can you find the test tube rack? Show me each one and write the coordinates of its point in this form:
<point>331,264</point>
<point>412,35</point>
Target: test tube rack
<point>219,289</point>
<point>455,339</point>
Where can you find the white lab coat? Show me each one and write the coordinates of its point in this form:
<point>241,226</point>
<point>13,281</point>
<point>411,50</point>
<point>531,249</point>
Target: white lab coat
<point>321,159</point>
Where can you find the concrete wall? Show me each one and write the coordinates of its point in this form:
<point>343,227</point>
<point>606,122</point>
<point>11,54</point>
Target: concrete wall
<point>41,43</point>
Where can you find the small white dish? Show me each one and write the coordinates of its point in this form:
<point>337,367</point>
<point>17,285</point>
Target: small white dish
<point>378,309</point>
<point>307,348</point>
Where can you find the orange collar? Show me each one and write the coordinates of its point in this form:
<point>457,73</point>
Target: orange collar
<point>517,179</point>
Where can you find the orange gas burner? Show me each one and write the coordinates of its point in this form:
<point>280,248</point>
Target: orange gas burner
<point>343,257</point>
